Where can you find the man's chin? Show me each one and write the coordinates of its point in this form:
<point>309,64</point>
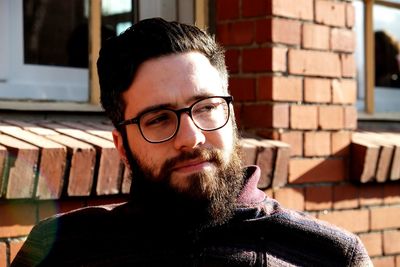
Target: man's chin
<point>195,184</point>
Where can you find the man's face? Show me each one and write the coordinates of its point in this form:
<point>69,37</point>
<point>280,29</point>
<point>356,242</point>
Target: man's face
<point>190,161</point>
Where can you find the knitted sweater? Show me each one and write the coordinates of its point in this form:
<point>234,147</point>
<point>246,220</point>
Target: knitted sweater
<point>261,233</point>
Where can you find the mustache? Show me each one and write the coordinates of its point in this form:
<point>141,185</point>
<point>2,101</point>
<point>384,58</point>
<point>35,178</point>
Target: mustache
<point>203,154</point>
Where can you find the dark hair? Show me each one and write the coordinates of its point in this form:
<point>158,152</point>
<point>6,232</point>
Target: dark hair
<point>121,56</point>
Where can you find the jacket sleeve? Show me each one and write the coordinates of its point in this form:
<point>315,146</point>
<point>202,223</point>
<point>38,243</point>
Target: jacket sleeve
<point>360,256</point>
<point>37,246</point>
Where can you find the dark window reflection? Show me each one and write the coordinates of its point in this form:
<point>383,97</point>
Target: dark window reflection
<point>387,60</point>
<point>50,27</point>
<point>56,32</point>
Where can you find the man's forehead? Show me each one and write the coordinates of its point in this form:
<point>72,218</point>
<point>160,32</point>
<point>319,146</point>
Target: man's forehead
<point>173,80</point>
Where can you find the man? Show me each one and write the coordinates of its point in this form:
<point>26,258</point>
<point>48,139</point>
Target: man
<point>164,86</point>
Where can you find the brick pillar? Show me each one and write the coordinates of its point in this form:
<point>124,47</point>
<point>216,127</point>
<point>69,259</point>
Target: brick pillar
<point>292,74</point>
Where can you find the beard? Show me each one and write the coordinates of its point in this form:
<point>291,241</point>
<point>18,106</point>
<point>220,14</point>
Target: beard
<point>208,198</point>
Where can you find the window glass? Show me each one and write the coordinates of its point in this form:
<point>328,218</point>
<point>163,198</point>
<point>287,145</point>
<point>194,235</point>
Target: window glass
<point>387,57</point>
<point>387,47</point>
<point>117,16</point>
<point>55,33</point>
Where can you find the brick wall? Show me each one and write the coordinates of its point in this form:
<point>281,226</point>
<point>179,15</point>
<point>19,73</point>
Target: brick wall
<point>293,73</point>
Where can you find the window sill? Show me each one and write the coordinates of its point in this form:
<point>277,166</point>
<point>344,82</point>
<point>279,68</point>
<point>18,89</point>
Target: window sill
<point>381,116</point>
<point>49,106</point>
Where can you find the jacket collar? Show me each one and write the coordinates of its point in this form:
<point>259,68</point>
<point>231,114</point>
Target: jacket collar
<point>250,194</point>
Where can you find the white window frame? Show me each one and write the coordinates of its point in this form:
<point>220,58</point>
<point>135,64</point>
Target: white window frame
<point>39,84</point>
<point>35,82</point>
<point>377,100</point>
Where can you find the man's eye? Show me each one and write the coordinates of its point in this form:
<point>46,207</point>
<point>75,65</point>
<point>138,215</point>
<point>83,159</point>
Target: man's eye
<point>158,120</point>
<point>206,108</point>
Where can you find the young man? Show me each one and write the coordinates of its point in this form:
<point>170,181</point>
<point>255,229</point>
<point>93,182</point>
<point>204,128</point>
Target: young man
<point>164,86</point>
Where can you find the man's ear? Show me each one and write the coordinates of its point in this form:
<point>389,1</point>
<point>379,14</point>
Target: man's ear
<point>119,145</point>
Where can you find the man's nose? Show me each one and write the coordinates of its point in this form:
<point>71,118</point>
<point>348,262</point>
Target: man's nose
<point>188,135</point>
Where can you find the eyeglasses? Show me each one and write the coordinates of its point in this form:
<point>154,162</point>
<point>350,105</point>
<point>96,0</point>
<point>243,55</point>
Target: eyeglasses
<point>160,125</point>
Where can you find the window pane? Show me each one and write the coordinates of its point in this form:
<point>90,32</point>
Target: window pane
<point>117,16</point>
<point>55,33</point>
<point>387,52</point>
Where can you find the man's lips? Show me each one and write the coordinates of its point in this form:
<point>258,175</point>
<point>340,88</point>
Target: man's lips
<point>191,166</point>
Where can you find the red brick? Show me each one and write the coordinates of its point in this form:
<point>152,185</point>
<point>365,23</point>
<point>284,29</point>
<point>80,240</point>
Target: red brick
<point>82,158</point>
<point>227,9</point>
<point>275,116</point>
<point>282,158</point>
<point>373,243</point>
<point>278,30</point>
<point>16,219</point>
<point>350,117</point>
<point>348,65</point>
<point>352,220</point>
<point>345,196</point>
<point>344,91</point>
<point>235,33</point>
<point>280,88</point>
<point>391,244</point>
<point>315,36</point>
<point>350,15</point>
<point>256,8</point>
<point>364,159</point>
<point>23,160</point>
<point>318,198</point>
<point>292,198</point>
<point>303,117</point>
<point>266,155</point>
<point>317,90</point>
<point>242,89</point>
<point>313,63</point>
<point>295,140</point>
<point>299,9</point>
<point>50,208</point>
<point>316,170</point>
<point>317,144</point>
<point>371,195</point>
<point>248,149</point>
<point>330,13</point>
<point>15,246</point>
<point>343,40</point>
<point>232,60</point>
<point>264,59</point>
<point>385,218</point>
<point>109,170</point>
<point>3,254</point>
<point>341,141</point>
<point>52,161</point>
<point>331,117</point>
<point>100,130</point>
<point>384,262</point>
<point>391,194</point>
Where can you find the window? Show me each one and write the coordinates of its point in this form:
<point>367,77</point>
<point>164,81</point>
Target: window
<point>378,55</point>
<point>44,49</point>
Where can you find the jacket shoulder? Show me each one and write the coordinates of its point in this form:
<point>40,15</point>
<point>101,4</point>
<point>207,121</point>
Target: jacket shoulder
<point>60,231</point>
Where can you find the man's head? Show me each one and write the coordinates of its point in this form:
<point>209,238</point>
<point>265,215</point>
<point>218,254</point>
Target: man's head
<point>167,83</point>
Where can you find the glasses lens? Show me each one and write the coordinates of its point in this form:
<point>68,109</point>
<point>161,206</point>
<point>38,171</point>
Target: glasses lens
<point>158,125</point>
<point>211,113</point>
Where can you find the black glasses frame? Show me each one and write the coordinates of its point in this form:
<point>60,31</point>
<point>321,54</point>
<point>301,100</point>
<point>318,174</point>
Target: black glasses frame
<point>178,113</point>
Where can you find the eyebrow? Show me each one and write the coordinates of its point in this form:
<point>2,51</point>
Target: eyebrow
<point>171,106</point>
